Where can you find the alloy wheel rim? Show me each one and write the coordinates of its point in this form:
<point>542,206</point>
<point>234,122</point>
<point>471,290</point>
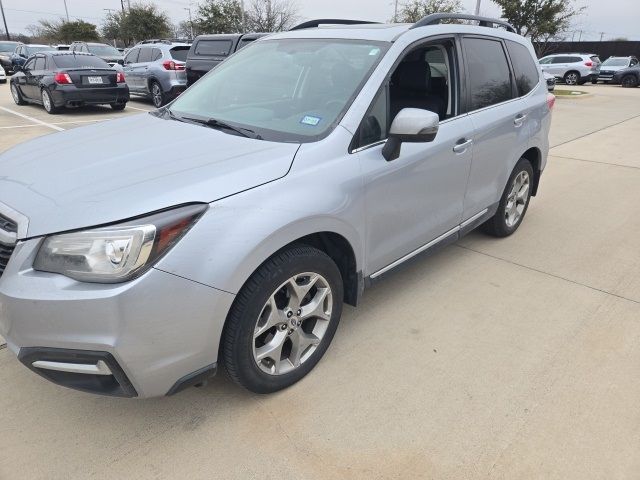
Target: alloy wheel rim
<point>628,80</point>
<point>571,79</point>
<point>157,95</point>
<point>517,199</point>
<point>292,323</point>
<point>46,101</point>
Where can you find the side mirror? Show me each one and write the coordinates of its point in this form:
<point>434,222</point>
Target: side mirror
<point>412,125</point>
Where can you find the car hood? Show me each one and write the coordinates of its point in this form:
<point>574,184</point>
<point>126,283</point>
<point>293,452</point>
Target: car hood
<point>124,168</point>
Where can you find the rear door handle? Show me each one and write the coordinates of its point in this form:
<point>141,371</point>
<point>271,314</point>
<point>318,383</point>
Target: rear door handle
<point>519,120</point>
<point>462,145</point>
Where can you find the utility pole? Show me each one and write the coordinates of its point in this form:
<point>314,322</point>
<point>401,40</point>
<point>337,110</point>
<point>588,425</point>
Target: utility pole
<point>601,35</point>
<point>129,5</point>
<point>110,12</point>
<point>4,20</point>
<point>244,20</point>
<point>395,12</point>
<point>66,9</point>
<point>580,36</point>
<point>188,9</point>
<point>478,7</point>
<point>122,5</point>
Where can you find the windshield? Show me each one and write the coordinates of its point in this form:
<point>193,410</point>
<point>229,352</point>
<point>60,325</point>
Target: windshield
<point>8,46</point>
<point>79,61</point>
<point>32,50</point>
<point>292,90</point>
<point>105,50</point>
<point>616,62</point>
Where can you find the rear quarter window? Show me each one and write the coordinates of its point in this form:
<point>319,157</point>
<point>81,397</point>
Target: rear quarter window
<point>524,68</point>
<point>146,55</point>
<point>213,47</point>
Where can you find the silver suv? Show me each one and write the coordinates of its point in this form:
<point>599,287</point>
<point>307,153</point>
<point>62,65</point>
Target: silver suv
<point>156,70</point>
<point>229,227</point>
<point>572,68</point>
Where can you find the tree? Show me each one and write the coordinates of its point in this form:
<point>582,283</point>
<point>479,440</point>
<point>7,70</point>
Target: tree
<point>414,10</point>
<point>140,22</point>
<point>219,16</point>
<point>63,31</point>
<point>271,15</point>
<point>540,20</point>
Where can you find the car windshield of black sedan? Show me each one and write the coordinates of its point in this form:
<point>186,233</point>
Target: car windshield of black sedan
<point>79,61</point>
<point>104,50</point>
<point>289,90</point>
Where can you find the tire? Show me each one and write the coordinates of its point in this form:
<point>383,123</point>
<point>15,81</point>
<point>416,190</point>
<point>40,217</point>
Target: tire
<point>629,81</point>
<point>47,102</point>
<point>572,78</point>
<point>505,222</point>
<point>157,95</point>
<point>594,82</point>
<point>17,96</point>
<point>260,318</point>
<point>118,106</point>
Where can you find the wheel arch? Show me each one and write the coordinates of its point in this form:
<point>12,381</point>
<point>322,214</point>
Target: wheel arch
<point>534,156</point>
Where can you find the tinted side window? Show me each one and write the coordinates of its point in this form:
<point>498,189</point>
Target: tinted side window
<point>574,59</point>
<point>157,54</point>
<point>213,47</point>
<point>375,124</point>
<point>560,60</point>
<point>525,70</point>
<point>489,75</point>
<point>146,55</point>
<point>29,65</point>
<point>179,53</point>
<point>132,56</point>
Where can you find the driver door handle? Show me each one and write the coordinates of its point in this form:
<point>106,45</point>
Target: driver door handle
<point>462,145</point>
<point>519,120</point>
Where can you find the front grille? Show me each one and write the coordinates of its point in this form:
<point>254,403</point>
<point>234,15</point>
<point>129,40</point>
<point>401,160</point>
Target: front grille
<point>6,250</point>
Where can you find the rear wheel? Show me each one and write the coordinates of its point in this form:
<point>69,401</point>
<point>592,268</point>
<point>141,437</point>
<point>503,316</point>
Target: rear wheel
<point>629,81</point>
<point>283,320</point>
<point>571,78</point>
<point>47,102</point>
<point>17,96</point>
<point>157,96</point>
<point>118,106</point>
<point>594,81</point>
<point>514,202</point>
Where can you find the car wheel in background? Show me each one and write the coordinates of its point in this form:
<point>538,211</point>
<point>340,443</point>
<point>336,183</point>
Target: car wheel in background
<point>283,320</point>
<point>514,202</point>
<point>118,106</point>
<point>17,96</point>
<point>594,81</point>
<point>571,78</point>
<point>629,81</point>
<point>47,102</point>
<point>157,96</point>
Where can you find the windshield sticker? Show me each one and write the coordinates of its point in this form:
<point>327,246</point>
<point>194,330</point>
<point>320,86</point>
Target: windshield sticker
<point>310,120</point>
<point>374,51</point>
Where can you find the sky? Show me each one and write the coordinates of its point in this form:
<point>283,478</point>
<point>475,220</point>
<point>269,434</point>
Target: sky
<point>609,18</point>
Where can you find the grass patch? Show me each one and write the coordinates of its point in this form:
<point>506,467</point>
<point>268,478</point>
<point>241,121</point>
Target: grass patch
<point>573,93</point>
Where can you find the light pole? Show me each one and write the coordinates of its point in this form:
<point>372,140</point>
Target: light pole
<point>395,12</point>
<point>109,12</point>
<point>478,7</point>
<point>188,9</point>
<point>244,20</point>
<point>66,9</point>
<point>4,20</point>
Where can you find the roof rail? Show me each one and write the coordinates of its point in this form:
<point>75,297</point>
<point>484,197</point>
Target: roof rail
<point>436,18</point>
<point>329,21</point>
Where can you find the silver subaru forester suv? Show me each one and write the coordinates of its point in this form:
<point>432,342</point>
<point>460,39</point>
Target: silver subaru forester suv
<point>229,227</point>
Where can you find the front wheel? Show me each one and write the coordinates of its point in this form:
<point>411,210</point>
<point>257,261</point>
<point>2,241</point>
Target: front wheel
<point>514,202</point>
<point>629,81</point>
<point>283,320</point>
<point>118,106</point>
<point>17,96</point>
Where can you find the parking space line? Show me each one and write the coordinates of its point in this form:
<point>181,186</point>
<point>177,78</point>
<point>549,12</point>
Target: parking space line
<point>31,119</point>
<point>141,109</point>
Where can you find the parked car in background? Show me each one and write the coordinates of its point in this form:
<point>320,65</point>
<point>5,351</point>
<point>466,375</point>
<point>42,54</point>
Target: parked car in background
<point>109,54</point>
<point>614,64</point>
<point>229,227</point>
<point>6,50</point>
<point>3,76</point>
<point>62,47</point>
<point>207,51</point>
<point>551,81</point>
<point>22,52</point>
<point>627,77</point>
<point>572,68</point>
<point>156,70</point>
<point>68,79</point>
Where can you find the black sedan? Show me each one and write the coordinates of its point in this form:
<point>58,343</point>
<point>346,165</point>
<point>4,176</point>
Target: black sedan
<point>68,79</point>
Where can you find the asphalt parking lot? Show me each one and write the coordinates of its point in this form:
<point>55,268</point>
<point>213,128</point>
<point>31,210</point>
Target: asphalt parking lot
<point>515,358</point>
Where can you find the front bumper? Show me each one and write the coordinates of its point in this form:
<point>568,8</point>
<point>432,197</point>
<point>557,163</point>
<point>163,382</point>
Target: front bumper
<point>152,333</point>
<point>64,95</point>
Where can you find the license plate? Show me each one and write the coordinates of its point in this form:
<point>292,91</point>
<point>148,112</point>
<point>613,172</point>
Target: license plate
<point>94,80</point>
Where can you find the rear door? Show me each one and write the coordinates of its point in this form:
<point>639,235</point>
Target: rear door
<point>141,68</point>
<point>500,120</point>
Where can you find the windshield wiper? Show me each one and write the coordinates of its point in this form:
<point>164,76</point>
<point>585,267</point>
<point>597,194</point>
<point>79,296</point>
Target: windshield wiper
<point>214,123</point>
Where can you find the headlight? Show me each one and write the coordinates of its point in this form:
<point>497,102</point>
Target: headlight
<point>116,253</point>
